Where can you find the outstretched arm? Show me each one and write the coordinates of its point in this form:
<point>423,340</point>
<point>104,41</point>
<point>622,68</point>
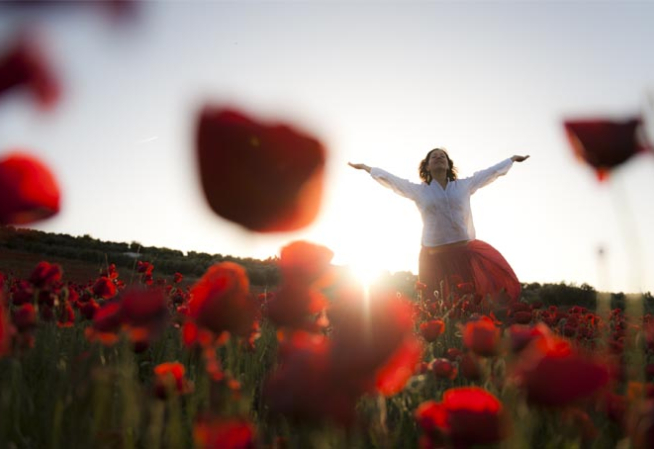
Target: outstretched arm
<point>484,177</point>
<point>359,166</point>
<point>400,186</point>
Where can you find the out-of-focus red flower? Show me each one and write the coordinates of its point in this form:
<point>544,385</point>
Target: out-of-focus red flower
<point>366,334</point>
<point>553,373</point>
<point>220,300</point>
<point>66,316</point>
<point>603,143</point>
<point>24,318</point>
<point>87,309</point>
<point>224,433</point>
<point>444,369</point>
<point>110,272</point>
<point>144,267</point>
<point>432,329</point>
<point>169,379</point>
<point>28,188</point>
<point>177,278</point>
<point>24,64</point>
<point>45,274</point>
<point>466,417</point>
<point>482,337</point>
<point>305,268</point>
<point>453,354</point>
<point>391,378</point>
<point>108,318</point>
<point>640,424</point>
<point>143,307</point>
<point>304,262</point>
<point>309,386</point>
<point>267,178</point>
<point>469,367</point>
<point>104,288</point>
<point>520,335</point>
<point>21,293</point>
<point>115,9</point>
<point>6,330</point>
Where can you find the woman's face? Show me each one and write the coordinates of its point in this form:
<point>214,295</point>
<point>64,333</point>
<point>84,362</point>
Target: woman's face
<point>438,160</point>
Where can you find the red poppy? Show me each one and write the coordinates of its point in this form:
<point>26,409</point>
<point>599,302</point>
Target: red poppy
<point>223,433</point>
<point>469,367</point>
<point>453,354</point>
<point>304,262</point>
<point>432,329</point>
<point>88,308</point>
<point>28,188</point>
<point>444,369</point>
<point>108,318</point>
<point>391,378</point>
<point>104,288</point>
<point>144,267</point>
<point>520,335</point>
<point>265,177</point>
<point>24,318</point>
<point>169,379</point>
<point>305,269</point>
<point>309,385</point>
<point>466,417</point>
<point>553,373</point>
<point>144,307</point>
<point>5,330</point>
<point>605,144</point>
<point>220,300</point>
<point>482,337</point>
<point>25,65</point>
<point>367,333</point>
<point>45,275</point>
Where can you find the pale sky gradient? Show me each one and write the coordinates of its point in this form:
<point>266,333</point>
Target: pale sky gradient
<point>377,82</point>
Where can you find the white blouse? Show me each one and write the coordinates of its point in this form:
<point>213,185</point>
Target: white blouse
<point>446,214</point>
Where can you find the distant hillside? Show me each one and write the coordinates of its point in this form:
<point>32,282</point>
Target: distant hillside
<point>83,257</point>
<point>98,253</point>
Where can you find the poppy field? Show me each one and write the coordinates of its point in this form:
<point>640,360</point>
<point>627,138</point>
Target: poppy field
<point>316,359</point>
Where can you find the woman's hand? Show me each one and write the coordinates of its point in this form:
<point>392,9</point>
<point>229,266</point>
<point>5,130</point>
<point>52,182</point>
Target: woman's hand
<point>359,166</point>
<point>517,158</point>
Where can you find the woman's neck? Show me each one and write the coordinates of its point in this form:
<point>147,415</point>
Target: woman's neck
<point>440,177</point>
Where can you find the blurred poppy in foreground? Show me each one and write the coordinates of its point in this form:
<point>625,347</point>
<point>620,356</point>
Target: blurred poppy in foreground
<point>467,416</point>
<point>46,274</point>
<point>5,330</point>
<point>24,65</point>
<point>605,144</point>
<point>28,190</point>
<point>554,374</point>
<point>305,267</point>
<point>170,380</point>
<point>482,337</point>
<point>265,177</point>
<point>220,300</point>
<point>213,432</point>
<point>373,341</point>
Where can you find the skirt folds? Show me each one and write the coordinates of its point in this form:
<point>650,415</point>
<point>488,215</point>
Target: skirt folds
<point>472,266</point>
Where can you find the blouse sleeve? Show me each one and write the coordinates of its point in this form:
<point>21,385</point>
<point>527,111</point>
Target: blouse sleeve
<point>484,177</point>
<point>400,186</point>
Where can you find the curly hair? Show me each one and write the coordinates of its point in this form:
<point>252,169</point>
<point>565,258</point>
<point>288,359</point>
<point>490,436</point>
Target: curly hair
<point>424,173</point>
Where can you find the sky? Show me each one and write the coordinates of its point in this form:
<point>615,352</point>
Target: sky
<point>377,82</point>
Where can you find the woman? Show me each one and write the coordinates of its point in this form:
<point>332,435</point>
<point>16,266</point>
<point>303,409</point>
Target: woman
<point>450,253</point>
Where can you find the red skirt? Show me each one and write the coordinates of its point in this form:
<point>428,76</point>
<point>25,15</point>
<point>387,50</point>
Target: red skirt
<point>473,266</point>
